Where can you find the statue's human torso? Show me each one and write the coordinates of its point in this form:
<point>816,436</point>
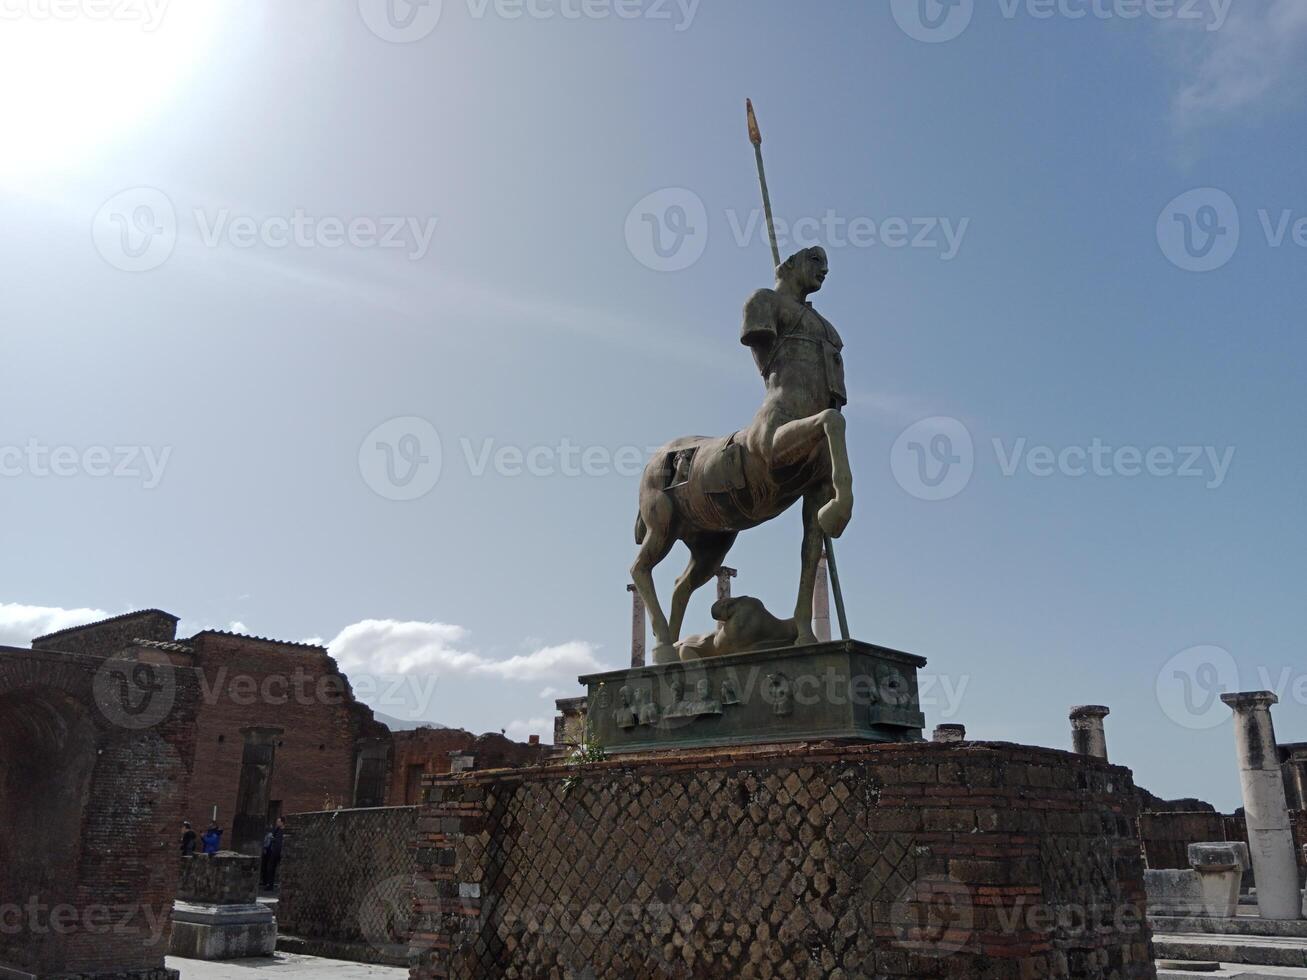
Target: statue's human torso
<point>798,352</point>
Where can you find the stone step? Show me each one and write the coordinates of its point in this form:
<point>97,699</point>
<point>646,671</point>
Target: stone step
<point>1243,925</point>
<point>1246,950</point>
<point>1231,972</point>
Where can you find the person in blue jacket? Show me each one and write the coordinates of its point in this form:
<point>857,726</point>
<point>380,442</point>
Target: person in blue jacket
<point>211,842</point>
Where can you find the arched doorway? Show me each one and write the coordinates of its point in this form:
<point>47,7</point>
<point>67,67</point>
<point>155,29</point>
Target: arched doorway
<point>47,757</point>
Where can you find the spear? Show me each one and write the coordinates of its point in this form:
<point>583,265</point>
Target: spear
<point>755,137</point>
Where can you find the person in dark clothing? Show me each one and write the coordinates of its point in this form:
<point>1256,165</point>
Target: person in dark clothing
<point>272,845</point>
<point>188,839</point>
<point>211,842</point>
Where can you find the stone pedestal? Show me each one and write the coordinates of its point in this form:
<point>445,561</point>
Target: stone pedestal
<point>217,915</point>
<point>906,861</point>
<point>843,690</point>
<point>1219,867</point>
<point>1270,835</point>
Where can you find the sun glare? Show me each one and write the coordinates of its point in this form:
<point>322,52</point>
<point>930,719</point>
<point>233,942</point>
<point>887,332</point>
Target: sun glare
<point>77,78</point>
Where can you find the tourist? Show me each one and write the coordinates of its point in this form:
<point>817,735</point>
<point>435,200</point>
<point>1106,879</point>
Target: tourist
<point>272,845</point>
<point>188,839</point>
<point>212,839</point>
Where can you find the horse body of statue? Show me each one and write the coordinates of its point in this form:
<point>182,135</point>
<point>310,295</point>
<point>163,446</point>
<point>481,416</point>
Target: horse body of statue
<point>705,490</point>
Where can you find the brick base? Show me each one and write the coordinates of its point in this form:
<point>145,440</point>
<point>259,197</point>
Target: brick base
<point>976,861</point>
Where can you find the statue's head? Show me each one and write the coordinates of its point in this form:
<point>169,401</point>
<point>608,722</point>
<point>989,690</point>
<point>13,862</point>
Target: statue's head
<point>806,269</point>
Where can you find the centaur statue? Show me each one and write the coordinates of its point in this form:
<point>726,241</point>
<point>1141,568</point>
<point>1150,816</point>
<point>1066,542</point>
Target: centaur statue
<point>705,491</point>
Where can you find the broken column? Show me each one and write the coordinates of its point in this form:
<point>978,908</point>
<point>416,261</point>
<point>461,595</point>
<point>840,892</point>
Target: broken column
<point>821,602</point>
<point>637,627</point>
<point>724,576</point>
<point>950,733</point>
<point>1087,734</point>
<point>1270,835</point>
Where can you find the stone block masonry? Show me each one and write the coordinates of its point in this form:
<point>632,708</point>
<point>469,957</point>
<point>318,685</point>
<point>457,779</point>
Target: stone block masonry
<point>917,860</point>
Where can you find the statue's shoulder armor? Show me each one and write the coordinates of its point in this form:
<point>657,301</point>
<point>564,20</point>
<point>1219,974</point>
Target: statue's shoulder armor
<point>760,315</point>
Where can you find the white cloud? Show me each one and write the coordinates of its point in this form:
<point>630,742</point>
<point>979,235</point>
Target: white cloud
<point>20,624</point>
<point>1253,58</point>
<point>387,646</point>
<point>550,692</point>
<point>521,731</point>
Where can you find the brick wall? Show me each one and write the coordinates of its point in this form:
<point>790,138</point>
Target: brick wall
<point>983,862</point>
<point>255,682</point>
<point>90,807</point>
<point>347,883</point>
<point>425,752</point>
<point>110,635</point>
<point>1167,836</point>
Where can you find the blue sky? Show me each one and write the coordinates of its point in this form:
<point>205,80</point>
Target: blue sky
<point>241,239</point>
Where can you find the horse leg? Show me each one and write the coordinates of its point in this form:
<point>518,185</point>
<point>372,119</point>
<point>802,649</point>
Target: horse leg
<point>792,444</point>
<point>707,552</point>
<point>658,516</point>
<point>811,555</point>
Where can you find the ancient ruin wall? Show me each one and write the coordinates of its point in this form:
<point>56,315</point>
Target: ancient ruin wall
<point>984,862</point>
<point>347,883</point>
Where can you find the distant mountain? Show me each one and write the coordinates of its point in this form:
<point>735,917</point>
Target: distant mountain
<point>398,725</point>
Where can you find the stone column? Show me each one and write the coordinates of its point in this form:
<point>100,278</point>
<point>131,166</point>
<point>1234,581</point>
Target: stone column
<point>821,602</point>
<point>724,576</point>
<point>1087,734</point>
<point>1270,836</point>
<point>250,822</point>
<point>638,629</point>
<point>950,733</point>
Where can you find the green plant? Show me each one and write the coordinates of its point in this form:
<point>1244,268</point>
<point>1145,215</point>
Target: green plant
<point>584,753</point>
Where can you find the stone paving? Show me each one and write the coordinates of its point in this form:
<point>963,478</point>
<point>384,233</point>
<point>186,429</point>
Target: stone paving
<point>285,965</point>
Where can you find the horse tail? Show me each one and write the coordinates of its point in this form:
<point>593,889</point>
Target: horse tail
<point>641,529</point>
